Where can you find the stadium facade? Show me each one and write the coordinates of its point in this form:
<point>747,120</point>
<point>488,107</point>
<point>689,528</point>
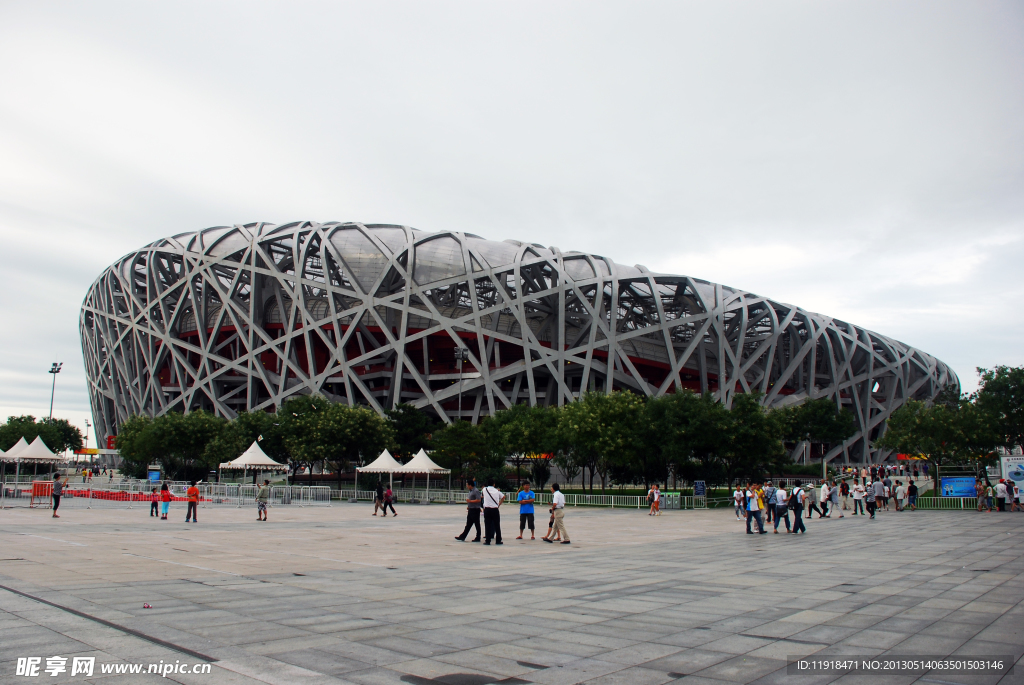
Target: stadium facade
<point>242,317</point>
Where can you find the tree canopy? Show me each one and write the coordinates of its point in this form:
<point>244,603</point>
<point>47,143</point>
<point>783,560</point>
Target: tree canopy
<point>58,434</point>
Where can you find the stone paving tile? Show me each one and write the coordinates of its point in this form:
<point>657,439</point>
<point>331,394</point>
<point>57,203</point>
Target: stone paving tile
<point>327,597</point>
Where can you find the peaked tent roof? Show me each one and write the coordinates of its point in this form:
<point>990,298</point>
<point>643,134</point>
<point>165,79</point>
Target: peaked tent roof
<point>37,452</point>
<point>17,447</point>
<point>421,463</point>
<point>254,458</point>
<point>385,463</point>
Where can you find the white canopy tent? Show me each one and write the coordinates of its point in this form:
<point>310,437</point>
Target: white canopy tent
<point>422,463</point>
<point>385,463</point>
<point>35,452</point>
<point>18,446</point>
<point>253,458</point>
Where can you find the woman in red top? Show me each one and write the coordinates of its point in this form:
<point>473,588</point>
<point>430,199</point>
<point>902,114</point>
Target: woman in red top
<point>165,501</point>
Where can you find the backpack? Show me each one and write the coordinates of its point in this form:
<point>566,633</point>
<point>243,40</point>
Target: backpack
<point>794,499</point>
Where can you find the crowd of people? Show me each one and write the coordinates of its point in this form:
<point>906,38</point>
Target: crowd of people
<point>1005,492</point>
<point>760,503</point>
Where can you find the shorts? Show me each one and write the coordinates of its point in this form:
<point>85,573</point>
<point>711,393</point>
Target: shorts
<point>525,520</point>
<point>261,507</point>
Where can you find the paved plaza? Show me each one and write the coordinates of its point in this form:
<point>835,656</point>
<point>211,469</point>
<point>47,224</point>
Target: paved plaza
<point>334,595</point>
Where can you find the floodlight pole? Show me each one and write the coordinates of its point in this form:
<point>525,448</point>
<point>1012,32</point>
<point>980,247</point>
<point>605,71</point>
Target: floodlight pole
<point>55,369</point>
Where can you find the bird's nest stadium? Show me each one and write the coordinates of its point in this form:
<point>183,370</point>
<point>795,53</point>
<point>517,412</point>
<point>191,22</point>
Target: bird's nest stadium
<point>242,317</point>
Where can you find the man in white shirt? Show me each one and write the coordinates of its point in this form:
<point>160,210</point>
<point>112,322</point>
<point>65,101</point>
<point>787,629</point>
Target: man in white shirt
<point>858,497</point>
<point>558,511</point>
<point>824,499</point>
<point>781,507</point>
<point>737,501</point>
<point>901,495</point>
<point>493,497</point>
<point>1000,495</point>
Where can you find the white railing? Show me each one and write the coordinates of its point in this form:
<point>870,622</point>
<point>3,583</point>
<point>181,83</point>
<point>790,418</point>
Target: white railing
<point>947,503</point>
<point>669,500</point>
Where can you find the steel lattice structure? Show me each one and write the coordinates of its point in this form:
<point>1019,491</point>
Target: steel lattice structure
<point>243,317</point>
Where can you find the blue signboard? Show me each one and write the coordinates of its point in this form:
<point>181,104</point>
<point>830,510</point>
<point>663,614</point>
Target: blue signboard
<point>958,486</point>
<point>154,476</point>
<point>699,489</point>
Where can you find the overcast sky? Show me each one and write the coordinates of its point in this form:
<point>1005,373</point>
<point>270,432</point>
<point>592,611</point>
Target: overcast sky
<point>862,160</point>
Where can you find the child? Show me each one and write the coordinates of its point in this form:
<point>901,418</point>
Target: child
<point>153,503</point>
<point>165,501</point>
<point>389,501</point>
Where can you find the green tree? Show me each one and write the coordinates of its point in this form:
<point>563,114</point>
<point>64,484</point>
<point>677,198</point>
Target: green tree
<point>462,447</point>
<point>754,444</point>
<point>1001,397</point>
<point>136,446</point>
<point>819,422</point>
<point>58,434</point>
<point>540,472</point>
<point>691,430</point>
<point>946,434</point>
<point>605,430</point>
<point>335,435</point>
<point>412,428</point>
<point>521,432</point>
<point>180,443</point>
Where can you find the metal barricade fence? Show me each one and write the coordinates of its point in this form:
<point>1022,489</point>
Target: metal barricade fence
<point>316,496</point>
<point>947,503</point>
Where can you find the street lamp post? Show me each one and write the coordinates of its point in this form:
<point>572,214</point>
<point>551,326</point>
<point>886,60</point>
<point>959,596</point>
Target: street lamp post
<point>461,355</point>
<point>55,369</point>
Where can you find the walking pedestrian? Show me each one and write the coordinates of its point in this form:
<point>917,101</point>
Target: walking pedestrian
<point>192,494</point>
<point>474,503</point>
<point>912,496</point>
<point>781,507</point>
<point>493,497</point>
<point>262,497</point>
<point>654,500</point>
<point>858,497</point>
<point>1015,493</point>
<point>811,497</point>
<point>58,491</point>
<point>154,503</point>
<point>979,493</point>
<point>901,496</point>
<point>988,496</point>
<point>754,507</point>
<point>737,500</point>
<point>825,493</point>
<point>833,494</point>
<point>165,501</point>
<point>769,501</point>
<point>526,499</point>
<point>389,501</point>
<point>378,498</point>
<point>796,504</point>
<point>558,513</point>
<point>844,493</point>
<point>871,499</point>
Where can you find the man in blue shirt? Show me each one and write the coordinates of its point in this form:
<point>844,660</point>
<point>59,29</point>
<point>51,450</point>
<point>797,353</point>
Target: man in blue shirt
<point>525,498</point>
